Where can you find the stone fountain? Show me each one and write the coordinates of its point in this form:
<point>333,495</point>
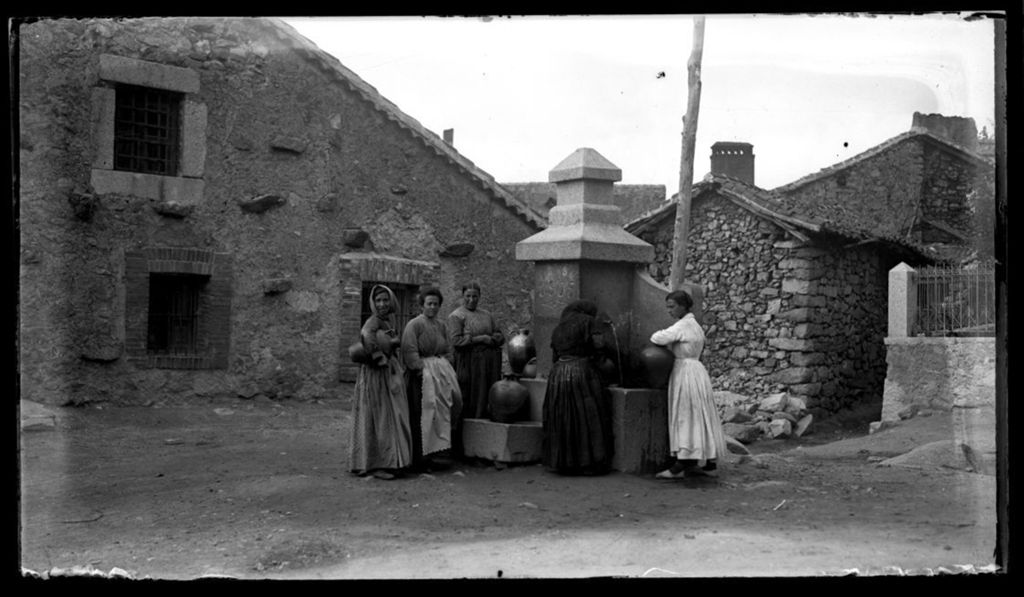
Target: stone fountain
<point>585,253</point>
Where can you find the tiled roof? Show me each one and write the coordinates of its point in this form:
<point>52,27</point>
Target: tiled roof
<point>770,206</point>
<point>881,148</point>
<point>333,67</point>
<point>633,199</point>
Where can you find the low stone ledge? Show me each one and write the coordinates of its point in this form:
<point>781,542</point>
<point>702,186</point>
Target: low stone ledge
<point>503,442</point>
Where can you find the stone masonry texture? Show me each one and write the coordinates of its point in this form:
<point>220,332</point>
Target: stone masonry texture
<point>278,123</point>
<point>808,320</point>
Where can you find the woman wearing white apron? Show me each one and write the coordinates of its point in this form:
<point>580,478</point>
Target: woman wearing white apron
<point>694,429</point>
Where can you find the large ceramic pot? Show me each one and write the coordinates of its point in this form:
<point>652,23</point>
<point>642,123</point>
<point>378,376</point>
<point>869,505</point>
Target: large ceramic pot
<point>520,349</point>
<point>509,401</point>
<point>656,362</point>
<point>530,369</point>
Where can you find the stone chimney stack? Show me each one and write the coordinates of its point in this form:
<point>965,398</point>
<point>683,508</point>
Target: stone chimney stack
<point>960,130</point>
<point>735,160</point>
<point>449,137</point>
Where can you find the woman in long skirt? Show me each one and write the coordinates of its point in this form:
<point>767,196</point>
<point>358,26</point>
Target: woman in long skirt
<point>696,439</point>
<point>435,399</point>
<point>381,436</point>
<point>577,410</point>
<point>477,342</point>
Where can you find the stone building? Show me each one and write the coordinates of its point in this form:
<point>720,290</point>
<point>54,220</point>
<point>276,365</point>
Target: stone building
<point>927,185</point>
<point>205,201</point>
<point>795,279</point>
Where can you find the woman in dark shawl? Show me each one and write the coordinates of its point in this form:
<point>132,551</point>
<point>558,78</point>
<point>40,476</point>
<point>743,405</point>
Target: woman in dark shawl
<point>577,410</point>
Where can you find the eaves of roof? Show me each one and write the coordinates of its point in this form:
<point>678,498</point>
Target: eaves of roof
<point>767,205</point>
<point>333,67</point>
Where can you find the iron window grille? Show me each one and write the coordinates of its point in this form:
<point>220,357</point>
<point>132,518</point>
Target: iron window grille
<point>175,302</point>
<point>147,126</point>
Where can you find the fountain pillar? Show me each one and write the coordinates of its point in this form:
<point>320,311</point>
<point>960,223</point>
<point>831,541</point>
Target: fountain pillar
<point>584,253</point>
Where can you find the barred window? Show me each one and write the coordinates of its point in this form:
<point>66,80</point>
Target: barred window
<point>174,311</point>
<point>146,130</point>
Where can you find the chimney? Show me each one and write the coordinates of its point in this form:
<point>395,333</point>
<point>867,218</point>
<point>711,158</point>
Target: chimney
<point>735,160</point>
<point>960,130</point>
<point>449,136</point>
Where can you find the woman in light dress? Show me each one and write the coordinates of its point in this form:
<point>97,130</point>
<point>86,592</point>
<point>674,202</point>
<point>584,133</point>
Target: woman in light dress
<point>696,439</point>
<point>435,400</point>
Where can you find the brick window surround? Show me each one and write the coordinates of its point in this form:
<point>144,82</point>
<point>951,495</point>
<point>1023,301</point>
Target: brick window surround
<point>357,268</point>
<point>214,310</point>
<point>186,186</point>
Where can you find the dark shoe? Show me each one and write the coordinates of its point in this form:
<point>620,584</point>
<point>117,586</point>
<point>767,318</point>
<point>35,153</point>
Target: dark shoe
<point>709,466</point>
<point>693,471</point>
<point>383,475</point>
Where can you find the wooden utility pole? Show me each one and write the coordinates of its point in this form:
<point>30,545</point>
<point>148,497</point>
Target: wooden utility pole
<point>680,235</point>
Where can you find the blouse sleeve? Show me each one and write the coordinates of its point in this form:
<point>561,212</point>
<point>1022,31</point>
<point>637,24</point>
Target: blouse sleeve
<point>496,332</point>
<point>411,348</point>
<point>457,329</point>
<point>668,335</point>
<point>447,351</point>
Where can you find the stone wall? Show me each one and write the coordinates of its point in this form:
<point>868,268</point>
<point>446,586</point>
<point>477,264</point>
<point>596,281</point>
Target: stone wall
<point>879,193</point>
<point>292,158</point>
<point>779,315</point>
<point>948,180</point>
<point>938,373</point>
<point>954,375</point>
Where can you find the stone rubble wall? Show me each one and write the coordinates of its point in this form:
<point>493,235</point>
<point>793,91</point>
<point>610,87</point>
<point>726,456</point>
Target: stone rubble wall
<point>779,316</point>
<point>279,126</point>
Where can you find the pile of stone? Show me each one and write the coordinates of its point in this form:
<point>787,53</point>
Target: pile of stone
<point>777,416</point>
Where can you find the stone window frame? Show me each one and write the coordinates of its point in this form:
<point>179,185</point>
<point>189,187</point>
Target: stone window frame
<point>187,186</point>
<point>215,305</point>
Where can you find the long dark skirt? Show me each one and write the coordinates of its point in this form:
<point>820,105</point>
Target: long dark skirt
<point>414,392</point>
<point>577,420</point>
<point>478,368</point>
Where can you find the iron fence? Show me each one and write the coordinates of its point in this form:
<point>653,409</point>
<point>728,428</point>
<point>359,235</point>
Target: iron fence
<point>956,301</point>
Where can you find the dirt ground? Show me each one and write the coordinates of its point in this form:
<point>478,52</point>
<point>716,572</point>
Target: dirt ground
<point>260,490</point>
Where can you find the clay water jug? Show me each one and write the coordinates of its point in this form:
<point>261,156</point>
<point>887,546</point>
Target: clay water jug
<point>656,362</point>
<point>357,354</point>
<point>530,368</point>
<point>509,401</point>
<point>520,349</point>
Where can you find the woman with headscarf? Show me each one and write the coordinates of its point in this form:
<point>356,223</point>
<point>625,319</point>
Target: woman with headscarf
<point>381,437</point>
<point>577,410</point>
<point>694,429</point>
<point>477,341</point>
<point>435,400</point>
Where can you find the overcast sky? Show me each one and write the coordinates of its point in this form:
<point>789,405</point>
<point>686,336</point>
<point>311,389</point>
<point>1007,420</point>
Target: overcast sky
<point>522,93</point>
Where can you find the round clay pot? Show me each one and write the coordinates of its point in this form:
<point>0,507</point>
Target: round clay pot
<point>509,401</point>
<point>656,362</point>
<point>520,349</point>
<point>530,368</point>
<point>357,353</point>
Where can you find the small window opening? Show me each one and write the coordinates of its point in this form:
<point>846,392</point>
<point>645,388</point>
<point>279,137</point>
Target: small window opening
<point>174,311</point>
<point>146,130</point>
